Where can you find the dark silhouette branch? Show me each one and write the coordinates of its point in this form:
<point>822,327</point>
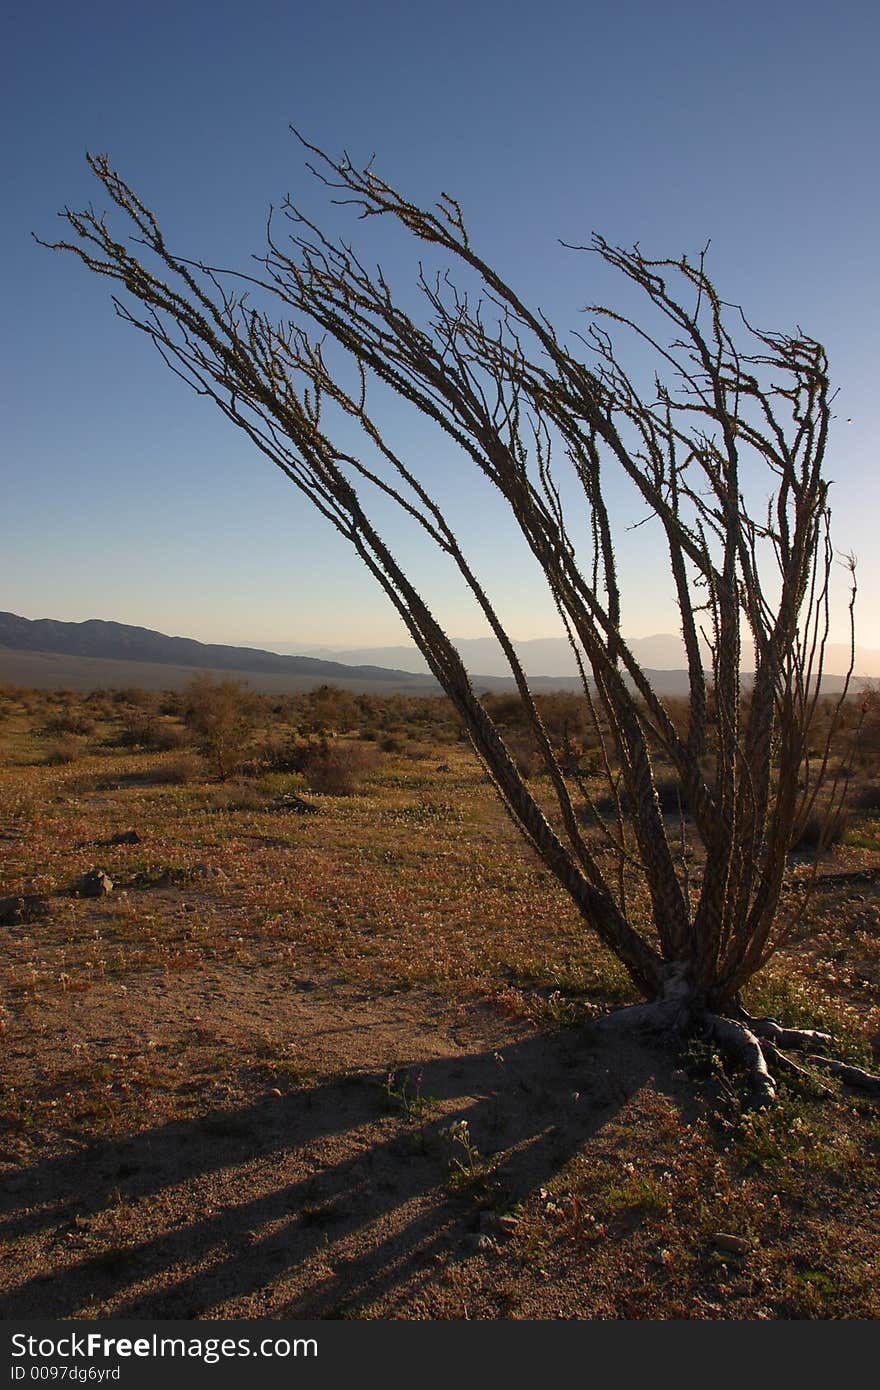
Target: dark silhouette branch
<point>728,402</point>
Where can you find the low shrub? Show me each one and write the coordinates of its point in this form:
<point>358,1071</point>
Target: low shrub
<point>138,729</point>
<point>337,768</point>
<point>64,750</point>
<point>131,695</point>
<point>70,721</point>
<point>276,754</point>
<point>522,750</point>
<point>672,796</point>
<point>143,729</point>
<point>672,799</point>
<point>821,831</point>
<point>222,716</point>
<point>867,798</point>
<point>239,796</point>
<point>171,703</point>
<point>186,767</point>
<point>167,737</point>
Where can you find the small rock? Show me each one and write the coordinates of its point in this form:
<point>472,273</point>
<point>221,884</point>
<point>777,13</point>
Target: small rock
<point>27,907</point>
<point>11,910</point>
<point>126,837</point>
<point>500,1227</point>
<point>95,884</point>
<point>289,801</point>
<point>737,1245</point>
<point>479,1244</point>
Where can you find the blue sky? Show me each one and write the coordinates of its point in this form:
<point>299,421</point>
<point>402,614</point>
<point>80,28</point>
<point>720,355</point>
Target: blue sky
<point>127,498</point>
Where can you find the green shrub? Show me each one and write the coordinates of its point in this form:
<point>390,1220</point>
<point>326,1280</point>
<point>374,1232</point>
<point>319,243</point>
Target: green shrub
<point>222,716</point>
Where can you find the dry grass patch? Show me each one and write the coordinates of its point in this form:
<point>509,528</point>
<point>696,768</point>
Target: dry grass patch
<point>198,1118</point>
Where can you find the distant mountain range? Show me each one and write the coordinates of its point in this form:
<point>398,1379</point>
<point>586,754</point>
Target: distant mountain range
<point>45,652</point>
<point>96,640</point>
<point>552,656</point>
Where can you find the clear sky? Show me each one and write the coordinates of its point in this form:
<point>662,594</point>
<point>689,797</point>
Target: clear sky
<point>125,497</point>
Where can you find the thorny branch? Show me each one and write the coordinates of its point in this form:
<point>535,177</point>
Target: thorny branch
<point>733,411</point>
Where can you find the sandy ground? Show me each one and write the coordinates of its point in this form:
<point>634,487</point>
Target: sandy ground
<point>321,1195</point>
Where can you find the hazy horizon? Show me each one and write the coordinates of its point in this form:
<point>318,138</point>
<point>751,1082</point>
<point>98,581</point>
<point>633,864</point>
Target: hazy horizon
<point>548,656</point>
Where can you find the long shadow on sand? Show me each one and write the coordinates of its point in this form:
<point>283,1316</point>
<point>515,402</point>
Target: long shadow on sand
<point>311,1203</point>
